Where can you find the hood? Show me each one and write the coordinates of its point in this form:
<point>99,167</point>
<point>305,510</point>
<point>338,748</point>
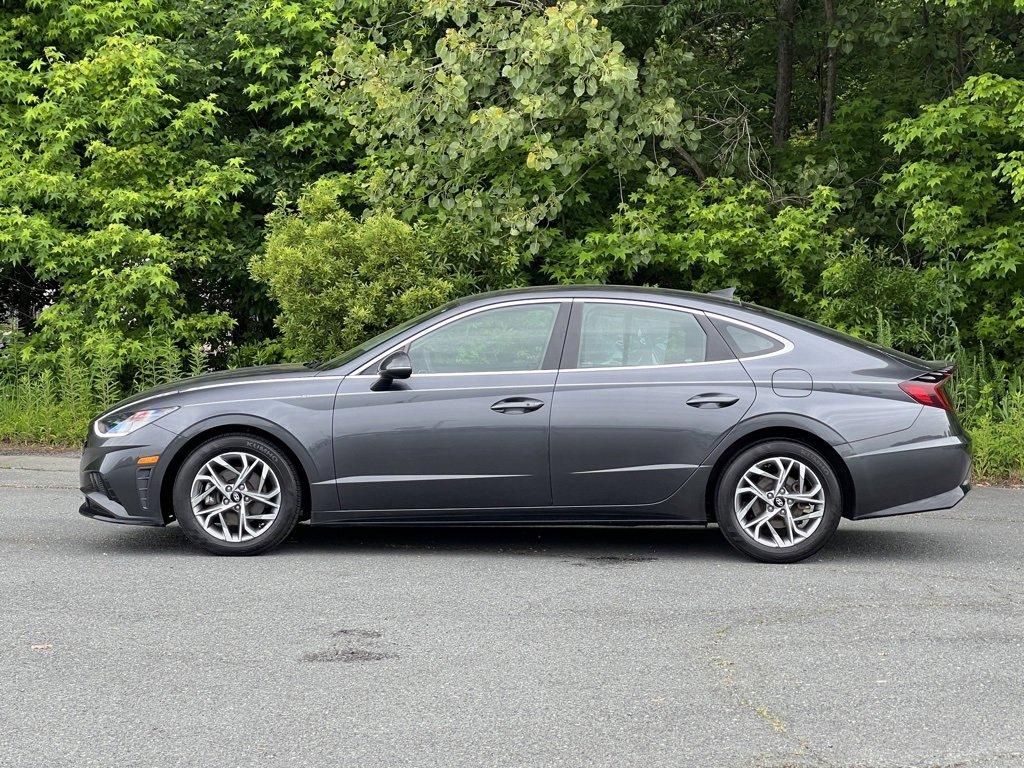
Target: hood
<point>220,377</point>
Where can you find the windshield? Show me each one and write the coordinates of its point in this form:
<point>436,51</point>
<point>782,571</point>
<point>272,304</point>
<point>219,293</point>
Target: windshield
<point>380,338</point>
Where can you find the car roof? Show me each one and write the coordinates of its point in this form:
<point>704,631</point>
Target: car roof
<point>616,291</point>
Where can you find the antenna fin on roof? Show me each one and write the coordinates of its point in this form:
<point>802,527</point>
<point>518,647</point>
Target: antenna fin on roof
<point>724,293</point>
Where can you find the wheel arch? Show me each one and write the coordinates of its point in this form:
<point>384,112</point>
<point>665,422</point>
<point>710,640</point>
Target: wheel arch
<point>795,433</point>
<point>200,433</point>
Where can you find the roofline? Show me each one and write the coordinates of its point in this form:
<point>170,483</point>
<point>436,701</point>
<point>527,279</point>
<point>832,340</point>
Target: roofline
<point>583,290</point>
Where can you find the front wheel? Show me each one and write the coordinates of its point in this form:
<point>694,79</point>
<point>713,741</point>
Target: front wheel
<point>237,495</point>
<point>778,501</point>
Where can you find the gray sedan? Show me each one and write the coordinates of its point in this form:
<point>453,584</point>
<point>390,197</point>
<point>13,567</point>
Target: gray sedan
<point>556,406</point>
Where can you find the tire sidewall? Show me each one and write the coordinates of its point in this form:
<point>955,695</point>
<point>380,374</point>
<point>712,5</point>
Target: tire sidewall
<point>288,514</point>
<point>730,478</point>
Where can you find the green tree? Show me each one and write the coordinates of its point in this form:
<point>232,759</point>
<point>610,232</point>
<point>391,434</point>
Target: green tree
<point>339,280</point>
<point>522,122</point>
<point>962,187</point>
<point>141,144</point>
<point>710,236</point>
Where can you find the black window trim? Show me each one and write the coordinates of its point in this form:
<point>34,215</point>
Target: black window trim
<point>785,345</point>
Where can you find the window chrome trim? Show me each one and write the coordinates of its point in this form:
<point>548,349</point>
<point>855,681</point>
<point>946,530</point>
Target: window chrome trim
<point>475,310</point>
<point>787,345</point>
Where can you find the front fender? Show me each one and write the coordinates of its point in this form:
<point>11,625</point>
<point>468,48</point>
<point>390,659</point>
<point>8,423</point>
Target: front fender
<point>182,444</point>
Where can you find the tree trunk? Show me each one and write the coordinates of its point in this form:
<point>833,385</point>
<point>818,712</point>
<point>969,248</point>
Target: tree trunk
<point>828,102</point>
<point>784,73</point>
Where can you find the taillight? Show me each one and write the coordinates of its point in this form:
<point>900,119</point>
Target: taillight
<point>929,389</point>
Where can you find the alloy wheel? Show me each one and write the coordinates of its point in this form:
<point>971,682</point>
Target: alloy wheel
<point>236,496</point>
<point>779,502</point>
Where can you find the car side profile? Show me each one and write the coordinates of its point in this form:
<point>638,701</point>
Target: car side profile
<point>546,406</point>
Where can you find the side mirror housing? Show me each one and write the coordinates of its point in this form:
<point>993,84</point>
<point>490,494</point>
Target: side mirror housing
<point>398,366</point>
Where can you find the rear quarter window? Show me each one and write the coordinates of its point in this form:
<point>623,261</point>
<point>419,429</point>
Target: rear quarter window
<point>747,342</point>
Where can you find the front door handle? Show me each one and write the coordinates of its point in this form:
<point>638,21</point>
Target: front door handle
<point>517,405</point>
<point>712,400</point>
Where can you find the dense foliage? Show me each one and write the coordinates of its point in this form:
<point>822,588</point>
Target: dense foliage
<point>339,280</point>
<point>205,183</point>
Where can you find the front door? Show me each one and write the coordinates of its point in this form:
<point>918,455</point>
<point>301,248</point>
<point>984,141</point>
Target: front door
<point>645,393</point>
<point>467,430</point>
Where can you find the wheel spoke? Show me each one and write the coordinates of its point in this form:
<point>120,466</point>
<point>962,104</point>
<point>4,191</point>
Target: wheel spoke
<point>203,495</point>
<point>241,520</point>
<point>809,516</point>
<point>754,489</point>
<point>811,497</point>
<point>743,512</point>
<point>768,514</point>
<point>791,527</point>
<point>266,498</point>
<point>210,476</point>
<point>213,510</point>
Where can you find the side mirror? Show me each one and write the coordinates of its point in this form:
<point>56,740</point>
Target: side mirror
<point>398,366</point>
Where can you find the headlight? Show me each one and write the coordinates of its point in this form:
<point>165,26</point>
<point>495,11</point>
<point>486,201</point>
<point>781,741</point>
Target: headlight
<point>126,422</point>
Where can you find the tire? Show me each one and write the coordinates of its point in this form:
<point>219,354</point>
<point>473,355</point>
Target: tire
<point>227,532</point>
<point>796,523</point>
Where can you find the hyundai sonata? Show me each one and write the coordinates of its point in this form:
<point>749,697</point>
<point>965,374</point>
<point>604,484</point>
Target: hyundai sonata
<point>556,406</point>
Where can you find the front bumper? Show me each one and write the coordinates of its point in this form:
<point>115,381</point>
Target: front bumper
<point>101,508</point>
<point>116,488</point>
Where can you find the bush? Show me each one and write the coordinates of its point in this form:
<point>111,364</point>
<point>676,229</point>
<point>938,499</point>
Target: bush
<point>340,280</point>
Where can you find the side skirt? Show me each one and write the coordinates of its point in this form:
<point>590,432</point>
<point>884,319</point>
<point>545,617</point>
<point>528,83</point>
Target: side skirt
<point>684,507</point>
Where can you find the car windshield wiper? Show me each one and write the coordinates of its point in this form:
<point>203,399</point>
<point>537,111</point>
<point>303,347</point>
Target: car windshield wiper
<point>313,363</point>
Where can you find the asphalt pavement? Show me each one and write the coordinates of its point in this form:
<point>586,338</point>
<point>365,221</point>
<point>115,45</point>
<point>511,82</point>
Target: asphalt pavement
<point>901,644</point>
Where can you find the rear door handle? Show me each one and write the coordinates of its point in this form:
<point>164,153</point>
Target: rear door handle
<point>517,405</point>
<point>712,400</point>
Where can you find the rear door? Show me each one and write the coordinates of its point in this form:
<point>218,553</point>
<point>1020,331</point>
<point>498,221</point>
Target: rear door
<point>645,391</point>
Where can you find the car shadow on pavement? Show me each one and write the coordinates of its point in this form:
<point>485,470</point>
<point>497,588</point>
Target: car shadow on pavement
<point>581,545</point>
<point>607,544</point>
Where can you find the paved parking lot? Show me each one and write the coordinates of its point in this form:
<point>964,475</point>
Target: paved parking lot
<point>901,645</point>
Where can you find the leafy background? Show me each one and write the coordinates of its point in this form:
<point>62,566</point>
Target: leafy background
<point>194,184</point>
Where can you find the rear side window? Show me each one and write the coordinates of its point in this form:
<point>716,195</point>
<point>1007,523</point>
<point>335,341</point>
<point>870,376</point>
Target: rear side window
<point>750,343</point>
<point>621,335</point>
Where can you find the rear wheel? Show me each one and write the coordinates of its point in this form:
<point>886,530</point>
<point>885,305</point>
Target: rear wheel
<point>237,495</point>
<point>778,501</point>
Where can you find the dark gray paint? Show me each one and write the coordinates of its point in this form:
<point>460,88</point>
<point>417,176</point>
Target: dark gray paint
<point>616,446</point>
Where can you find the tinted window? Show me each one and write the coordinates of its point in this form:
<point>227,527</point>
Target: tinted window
<point>502,339</point>
<point>613,335</point>
<point>749,343</point>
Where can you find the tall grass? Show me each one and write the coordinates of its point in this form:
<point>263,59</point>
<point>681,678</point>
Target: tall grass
<point>989,398</point>
<point>52,405</point>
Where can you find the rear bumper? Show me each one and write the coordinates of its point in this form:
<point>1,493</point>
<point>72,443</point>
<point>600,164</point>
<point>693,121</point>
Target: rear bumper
<point>941,501</point>
<point>923,468</point>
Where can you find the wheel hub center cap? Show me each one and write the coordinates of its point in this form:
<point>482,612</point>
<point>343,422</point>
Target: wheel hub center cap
<point>236,497</point>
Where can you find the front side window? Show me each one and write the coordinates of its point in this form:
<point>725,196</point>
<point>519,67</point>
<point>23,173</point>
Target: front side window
<point>616,335</point>
<point>500,339</point>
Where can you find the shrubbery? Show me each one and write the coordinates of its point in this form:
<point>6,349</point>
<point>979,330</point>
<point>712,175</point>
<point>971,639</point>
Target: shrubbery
<point>340,280</point>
